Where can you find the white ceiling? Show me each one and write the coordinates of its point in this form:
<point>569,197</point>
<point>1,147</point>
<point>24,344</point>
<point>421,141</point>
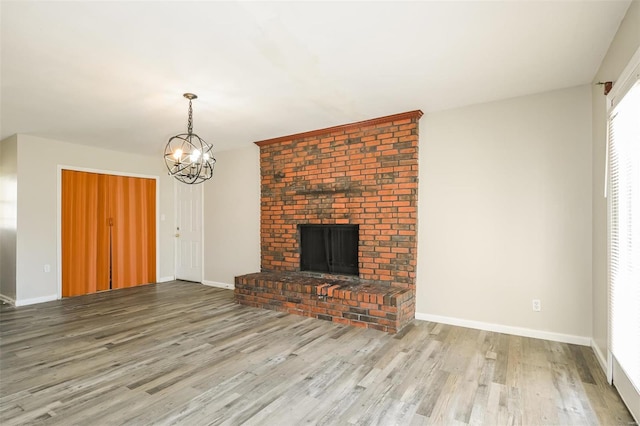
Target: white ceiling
<point>112,74</point>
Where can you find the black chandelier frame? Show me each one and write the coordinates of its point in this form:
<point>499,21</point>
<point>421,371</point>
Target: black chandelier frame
<point>187,156</point>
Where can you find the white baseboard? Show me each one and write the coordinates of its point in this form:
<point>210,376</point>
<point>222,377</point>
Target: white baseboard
<point>601,358</point>
<point>499,328</point>
<point>219,285</point>
<point>166,279</point>
<point>8,300</point>
<point>34,300</point>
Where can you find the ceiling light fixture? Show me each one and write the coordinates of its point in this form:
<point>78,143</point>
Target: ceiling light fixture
<point>189,158</point>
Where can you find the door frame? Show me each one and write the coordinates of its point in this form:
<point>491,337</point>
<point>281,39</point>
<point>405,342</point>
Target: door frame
<point>176,246</point>
<point>59,214</point>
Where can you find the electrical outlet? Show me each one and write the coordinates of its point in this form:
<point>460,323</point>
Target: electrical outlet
<point>535,304</point>
<point>47,268</point>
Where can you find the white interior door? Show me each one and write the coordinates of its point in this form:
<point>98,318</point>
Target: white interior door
<point>188,232</point>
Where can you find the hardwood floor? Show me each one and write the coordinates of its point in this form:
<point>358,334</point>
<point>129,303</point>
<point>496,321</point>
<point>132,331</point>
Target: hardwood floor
<point>183,353</point>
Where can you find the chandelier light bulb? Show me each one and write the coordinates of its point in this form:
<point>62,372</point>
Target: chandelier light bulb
<point>177,154</point>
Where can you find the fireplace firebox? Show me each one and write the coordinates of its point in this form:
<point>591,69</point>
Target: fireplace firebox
<point>329,248</point>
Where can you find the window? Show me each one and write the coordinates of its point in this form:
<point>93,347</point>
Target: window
<point>624,237</point>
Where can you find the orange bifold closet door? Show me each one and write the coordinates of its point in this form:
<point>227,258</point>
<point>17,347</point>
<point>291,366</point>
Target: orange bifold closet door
<point>132,209</point>
<point>108,232</point>
<point>85,236</point>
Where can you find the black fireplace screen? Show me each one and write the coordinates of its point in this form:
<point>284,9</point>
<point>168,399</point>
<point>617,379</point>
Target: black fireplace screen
<point>329,248</point>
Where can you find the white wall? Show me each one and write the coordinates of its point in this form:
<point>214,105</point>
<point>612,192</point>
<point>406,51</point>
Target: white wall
<point>505,214</point>
<point>232,217</point>
<point>622,48</point>
<point>8,216</point>
<point>38,218</point>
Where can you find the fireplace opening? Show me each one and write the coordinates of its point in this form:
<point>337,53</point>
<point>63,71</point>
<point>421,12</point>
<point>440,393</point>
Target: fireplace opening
<point>329,248</point>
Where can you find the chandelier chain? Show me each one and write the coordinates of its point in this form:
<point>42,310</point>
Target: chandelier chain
<point>190,122</point>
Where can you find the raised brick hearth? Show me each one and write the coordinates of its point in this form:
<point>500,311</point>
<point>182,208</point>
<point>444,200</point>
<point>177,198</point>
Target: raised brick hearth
<point>363,304</point>
<point>364,174</point>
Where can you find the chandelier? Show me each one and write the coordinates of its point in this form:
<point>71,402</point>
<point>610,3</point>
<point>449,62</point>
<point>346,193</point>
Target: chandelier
<point>189,158</point>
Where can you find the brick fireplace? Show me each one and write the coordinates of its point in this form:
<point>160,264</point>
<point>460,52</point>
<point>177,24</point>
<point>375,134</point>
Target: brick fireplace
<point>364,174</point>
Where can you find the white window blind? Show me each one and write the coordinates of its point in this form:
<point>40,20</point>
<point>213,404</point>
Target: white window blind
<point>624,232</point>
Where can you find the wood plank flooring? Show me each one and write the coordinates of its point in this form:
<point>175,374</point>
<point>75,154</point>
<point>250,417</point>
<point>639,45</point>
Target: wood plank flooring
<point>183,353</point>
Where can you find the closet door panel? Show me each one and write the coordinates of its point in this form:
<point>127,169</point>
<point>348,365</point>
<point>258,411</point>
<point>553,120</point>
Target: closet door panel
<point>84,268</point>
<point>132,207</point>
<point>104,239</point>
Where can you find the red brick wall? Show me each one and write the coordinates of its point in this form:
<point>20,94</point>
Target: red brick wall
<point>363,173</point>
